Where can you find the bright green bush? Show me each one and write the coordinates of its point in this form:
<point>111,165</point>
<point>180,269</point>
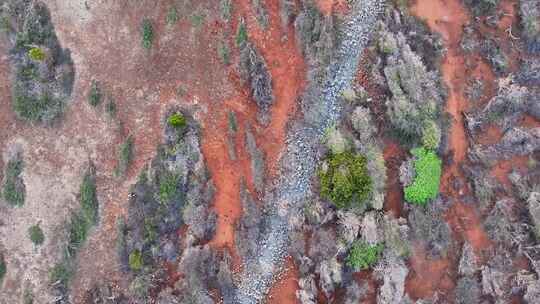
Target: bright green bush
<point>344,179</point>
<point>147,32</point>
<point>363,256</point>
<point>135,260</point>
<point>36,54</point>
<point>428,169</point>
<point>241,35</point>
<point>36,235</point>
<point>177,120</point>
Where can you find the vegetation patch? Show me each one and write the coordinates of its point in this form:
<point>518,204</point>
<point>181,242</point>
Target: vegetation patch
<point>14,190</point>
<point>3,268</point>
<point>172,16</point>
<point>78,229</point>
<point>241,34</point>
<point>36,235</point>
<point>125,156</point>
<point>43,72</point>
<point>428,169</point>
<point>147,33</point>
<point>344,179</point>
<point>363,256</point>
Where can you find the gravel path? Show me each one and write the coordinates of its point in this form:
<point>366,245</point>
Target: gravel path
<point>300,160</point>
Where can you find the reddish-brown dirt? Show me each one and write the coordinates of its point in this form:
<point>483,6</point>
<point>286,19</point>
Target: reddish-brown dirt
<point>327,7</point>
<point>394,155</point>
<point>284,291</point>
<point>427,276</point>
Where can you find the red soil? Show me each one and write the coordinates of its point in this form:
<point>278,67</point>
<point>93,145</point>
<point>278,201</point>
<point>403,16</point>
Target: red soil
<point>327,7</point>
<point>427,276</point>
<point>393,155</point>
<point>501,170</point>
<point>284,291</point>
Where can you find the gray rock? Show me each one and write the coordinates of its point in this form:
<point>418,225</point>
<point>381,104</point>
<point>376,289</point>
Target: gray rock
<point>468,264</point>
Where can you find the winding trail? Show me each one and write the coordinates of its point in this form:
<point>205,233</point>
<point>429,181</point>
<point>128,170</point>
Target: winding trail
<point>298,162</point>
<point>430,276</point>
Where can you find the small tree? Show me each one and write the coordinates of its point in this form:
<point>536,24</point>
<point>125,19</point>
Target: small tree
<point>177,121</point>
<point>95,95</point>
<point>36,54</point>
<point>363,256</point>
<point>147,33</point>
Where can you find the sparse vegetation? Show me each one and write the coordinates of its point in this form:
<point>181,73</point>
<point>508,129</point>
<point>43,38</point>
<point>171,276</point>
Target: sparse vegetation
<point>95,95</point>
<point>197,20</point>
<point>344,179</point>
<point>14,190</point>
<point>431,136</point>
<point>425,186</point>
<point>36,235</point>
<point>363,256</point>
<point>147,33</point>
<point>78,228</point>
<point>110,108</point>
<point>226,9</point>
<point>125,156</point>
<point>233,124</point>
<point>224,53</point>
<point>168,187</point>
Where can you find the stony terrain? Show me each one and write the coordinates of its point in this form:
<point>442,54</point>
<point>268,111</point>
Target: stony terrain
<point>260,151</point>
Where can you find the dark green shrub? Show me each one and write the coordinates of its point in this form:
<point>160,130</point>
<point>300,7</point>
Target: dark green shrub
<point>233,124</point>
<point>177,121</point>
<point>110,107</point>
<point>3,268</point>
<point>13,190</point>
<point>344,179</point>
<point>36,235</point>
<point>135,260</point>
<point>147,33</point>
<point>197,20</point>
<point>42,108</point>
<point>95,95</point>
<point>363,256</point>
<point>428,169</point>
<point>36,54</point>
<point>125,156</point>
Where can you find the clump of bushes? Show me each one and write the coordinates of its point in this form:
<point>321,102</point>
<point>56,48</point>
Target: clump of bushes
<point>362,256</point>
<point>14,190</point>
<point>95,95</point>
<point>428,169</point>
<point>125,156</point>
<point>36,235</point>
<point>482,7</point>
<point>40,88</point>
<point>147,33</point>
<point>177,121</point>
<point>135,260</point>
<point>344,179</point>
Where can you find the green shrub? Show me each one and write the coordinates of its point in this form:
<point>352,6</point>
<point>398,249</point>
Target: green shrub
<point>177,121</point>
<point>363,256</point>
<point>344,179</point>
<point>172,16</point>
<point>36,54</point>
<point>61,272</point>
<point>168,187</point>
<point>226,9</point>
<point>147,33</point>
<point>78,231</point>
<point>3,268</point>
<point>241,35</point>
<point>110,108</point>
<point>431,135</point>
<point>197,20</point>
<point>88,198</point>
<point>428,169</point>
<point>36,235</point>
<point>13,190</point>
<point>125,156</point>
<point>95,95</point>
<point>233,124</point>
<point>135,260</point>
<point>28,296</point>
